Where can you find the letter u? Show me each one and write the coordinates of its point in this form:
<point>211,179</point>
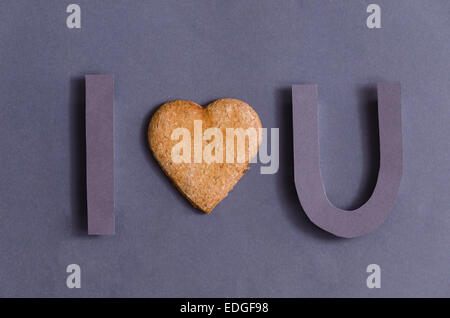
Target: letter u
<point>308,181</point>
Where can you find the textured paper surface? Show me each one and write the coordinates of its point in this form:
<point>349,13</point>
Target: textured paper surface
<point>308,180</point>
<point>257,242</point>
<point>100,153</point>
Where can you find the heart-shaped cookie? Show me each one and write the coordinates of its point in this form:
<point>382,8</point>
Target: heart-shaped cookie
<point>193,146</point>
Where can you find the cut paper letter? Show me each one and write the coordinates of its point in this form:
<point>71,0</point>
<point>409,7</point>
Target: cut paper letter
<point>100,154</point>
<point>308,181</point>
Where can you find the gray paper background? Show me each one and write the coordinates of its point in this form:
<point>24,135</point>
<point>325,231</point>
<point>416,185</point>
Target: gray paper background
<point>258,241</point>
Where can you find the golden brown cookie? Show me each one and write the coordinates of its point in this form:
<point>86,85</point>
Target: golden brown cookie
<point>202,180</point>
